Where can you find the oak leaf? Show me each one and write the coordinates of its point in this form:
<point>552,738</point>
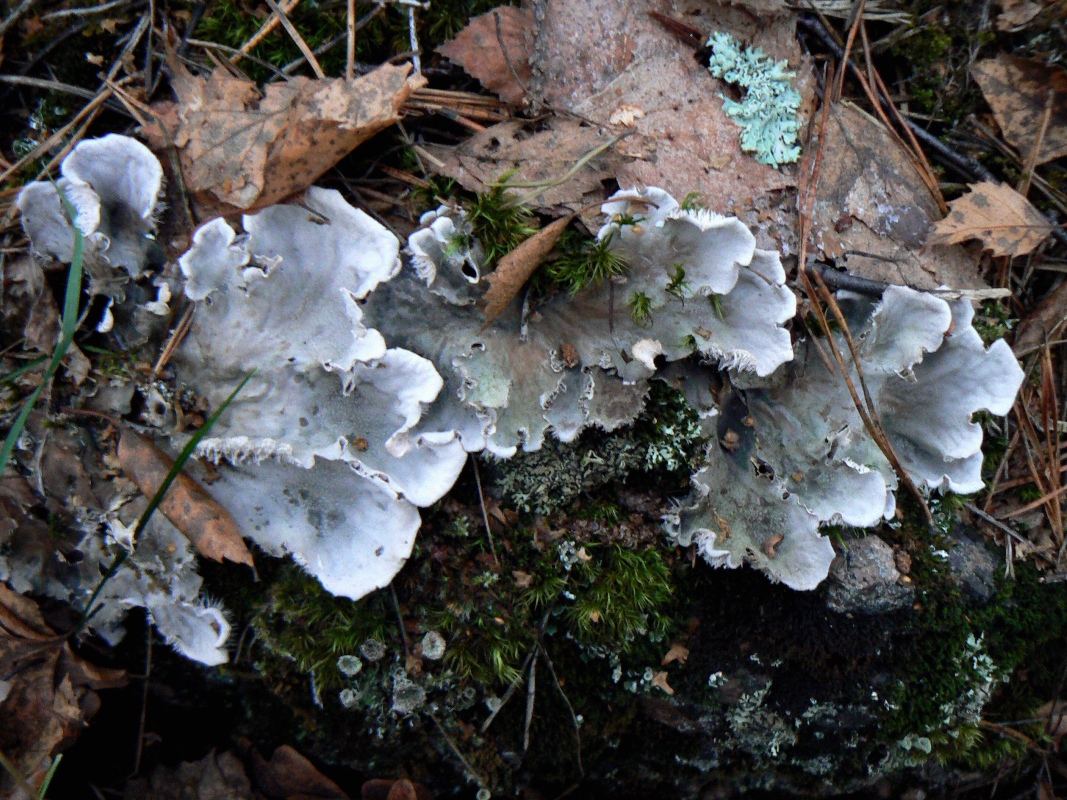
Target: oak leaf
<point>1017,90</point>
<point>187,504</point>
<point>241,148</point>
<point>997,215</point>
<point>477,49</point>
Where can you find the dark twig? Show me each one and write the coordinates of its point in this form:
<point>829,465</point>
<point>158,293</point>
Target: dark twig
<point>507,58</point>
<point>16,15</point>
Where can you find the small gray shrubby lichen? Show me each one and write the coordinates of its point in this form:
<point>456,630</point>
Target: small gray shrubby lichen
<point>768,111</point>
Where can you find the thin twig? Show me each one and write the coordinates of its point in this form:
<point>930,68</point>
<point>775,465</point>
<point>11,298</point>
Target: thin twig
<point>180,330</point>
<point>264,31</point>
<point>512,687</point>
<point>144,703</point>
<point>570,708</point>
<point>1039,141</point>
<point>507,57</point>
<point>485,515</point>
<point>350,52</point>
<point>16,15</point>
<point>856,18</point>
<point>294,34</point>
<point>459,755</point>
<point>531,693</point>
<point>78,12</point>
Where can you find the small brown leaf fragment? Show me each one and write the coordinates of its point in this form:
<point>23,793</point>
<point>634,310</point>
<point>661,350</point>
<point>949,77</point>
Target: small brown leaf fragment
<point>243,149</point>
<point>731,441</point>
<point>1016,13</point>
<point>770,547</point>
<point>187,504</point>
<point>570,355</point>
<point>659,680</point>
<point>998,216</point>
<point>523,580</point>
<point>1017,90</point>
<point>678,652</point>
<point>477,49</point>
<point>516,267</point>
<point>1043,323</point>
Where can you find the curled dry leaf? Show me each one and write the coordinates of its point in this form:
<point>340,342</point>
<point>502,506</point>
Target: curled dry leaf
<point>1016,13</point>
<point>678,652</point>
<point>659,680</point>
<point>1043,323</point>
<point>241,149</point>
<point>477,49</point>
<point>1017,91</point>
<point>187,504</point>
<point>998,216</point>
<point>516,267</point>
<point>48,692</point>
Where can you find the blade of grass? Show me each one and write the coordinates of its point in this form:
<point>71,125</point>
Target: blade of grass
<point>19,371</point>
<point>69,324</point>
<point>48,777</point>
<point>157,498</point>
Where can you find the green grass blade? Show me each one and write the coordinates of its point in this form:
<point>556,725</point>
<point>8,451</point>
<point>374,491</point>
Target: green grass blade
<point>69,323</point>
<point>48,777</point>
<point>19,371</point>
<point>157,498</point>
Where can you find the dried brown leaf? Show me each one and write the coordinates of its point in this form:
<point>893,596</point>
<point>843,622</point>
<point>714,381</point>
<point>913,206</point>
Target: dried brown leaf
<point>997,215</point>
<point>211,778</point>
<point>1016,13</point>
<point>1017,90</point>
<point>869,180</point>
<point>1045,322</point>
<point>678,652</point>
<point>49,691</point>
<point>659,680</point>
<point>477,49</point>
<point>187,504</point>
<point>241,149</point>
<point>288,774</point>
<point>381,789</point>
<point>605,59</point>
<point>516,267</point>
<point>532,153</point>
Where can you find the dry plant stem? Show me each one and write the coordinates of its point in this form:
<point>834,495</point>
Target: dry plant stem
<point>52,140</point>
<point>144,704</point>
<point>857,19</point>
<point>485,515</point>
<point>996,523</point>
<point>531,694</point>
<point>1050,421</point>
<point>210,47</point>
<point>1036,504</point>
<point>294,34</point>
<point>507,57</point>
<point>570,708</point>
<point>180,330</point>
<point>1031,159</point>
<point>916,151</point>
<point>1001,467</point>
<point>350,51</point>
<point>16,15</point>
<point>263,32</point>
<point>512,687</point>
<point>868,414</point>
<point>467,764</point>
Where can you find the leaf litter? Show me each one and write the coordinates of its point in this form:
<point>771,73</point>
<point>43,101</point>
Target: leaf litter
<point>997,215</point>
<point>240,148</point>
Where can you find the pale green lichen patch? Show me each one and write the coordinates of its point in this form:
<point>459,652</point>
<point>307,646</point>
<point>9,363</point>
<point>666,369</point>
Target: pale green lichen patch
<point>768,111</point>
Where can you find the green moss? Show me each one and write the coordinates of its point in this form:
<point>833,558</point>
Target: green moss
<point>993,321</point>
<point>664,441</point>
<point>498,223</point>
<point>640,308</point>
<point>304,623</point>
<point>583,262</point>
